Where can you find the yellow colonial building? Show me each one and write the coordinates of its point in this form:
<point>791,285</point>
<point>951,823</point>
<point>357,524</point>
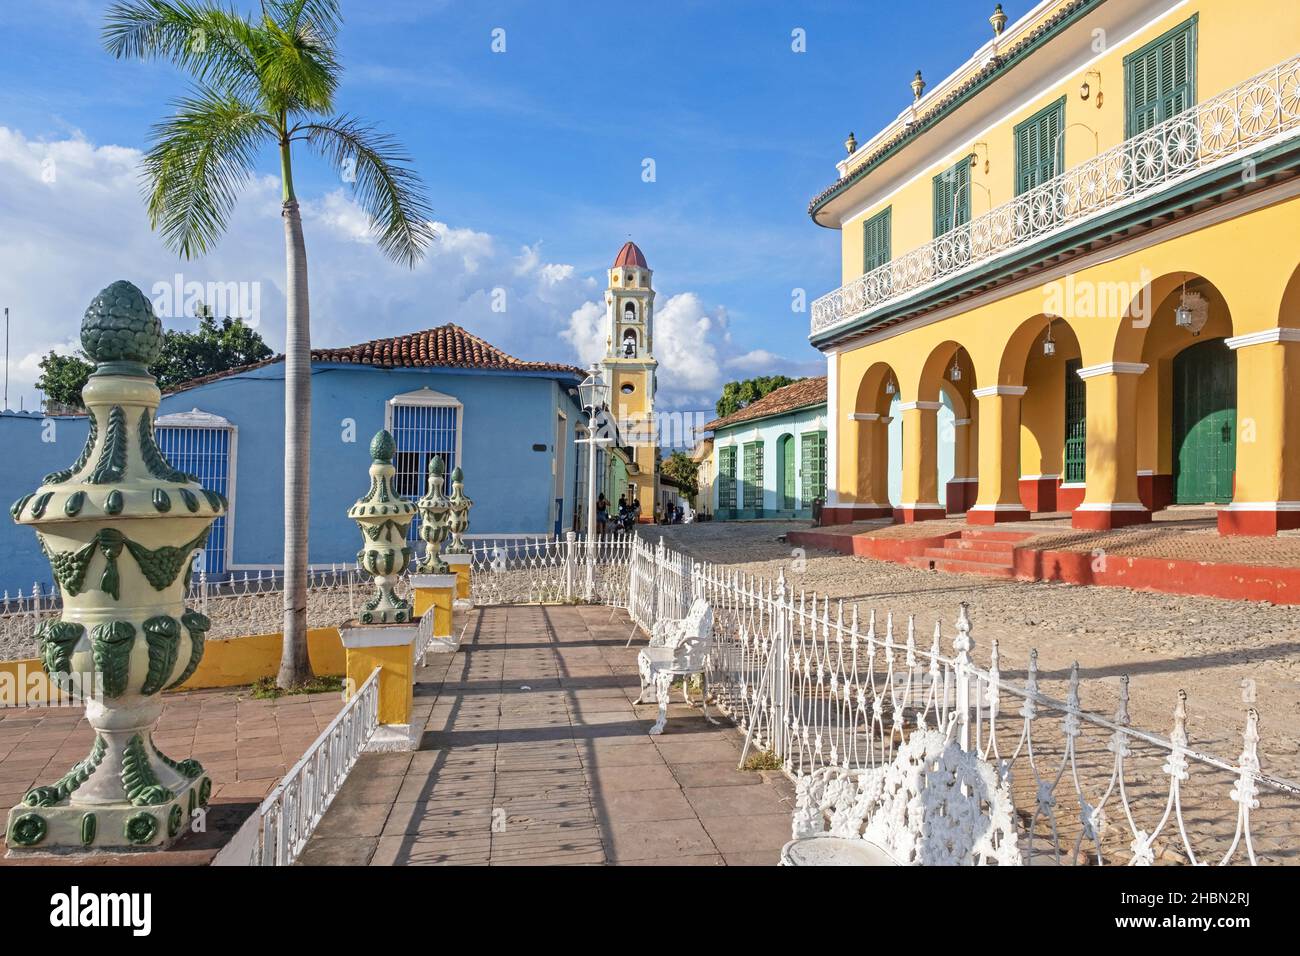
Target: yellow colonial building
<point>1085,242</point>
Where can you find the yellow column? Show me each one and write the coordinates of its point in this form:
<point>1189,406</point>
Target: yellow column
<point>1266,492</point>
<point>1111,497</point>
<point>460,567</point>
<point>920,462</point>
<point>999,456</point>
<point>434,594</point>
<point>869,467</point>
<point>391,648</point>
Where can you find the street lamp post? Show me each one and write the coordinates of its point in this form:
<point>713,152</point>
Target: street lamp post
<point>594,395</point>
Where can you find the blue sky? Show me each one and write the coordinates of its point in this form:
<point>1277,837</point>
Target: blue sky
<point>533,160</point>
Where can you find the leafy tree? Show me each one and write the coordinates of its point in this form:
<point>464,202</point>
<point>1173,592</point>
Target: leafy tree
<point>736,395</point>
<point>215,346</point>
<point>63,377</point>
<point>684,472</point>
<point>266,81</point>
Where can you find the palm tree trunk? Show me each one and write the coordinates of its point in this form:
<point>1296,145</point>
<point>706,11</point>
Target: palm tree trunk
<point>294,664</point>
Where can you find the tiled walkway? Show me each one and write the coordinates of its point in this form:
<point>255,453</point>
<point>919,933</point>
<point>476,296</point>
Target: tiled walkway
<point>535,754</point>
<point>246,745</point>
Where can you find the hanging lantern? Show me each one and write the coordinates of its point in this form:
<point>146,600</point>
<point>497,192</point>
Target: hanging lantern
<point>955,372</point>
<point>890,387</point>
<point>1049,347</point>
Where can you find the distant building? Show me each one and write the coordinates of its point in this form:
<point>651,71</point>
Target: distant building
<point>443,391</point>
<point>769,458</point>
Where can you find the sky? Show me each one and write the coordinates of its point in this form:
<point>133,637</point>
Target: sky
<point>536,159</point>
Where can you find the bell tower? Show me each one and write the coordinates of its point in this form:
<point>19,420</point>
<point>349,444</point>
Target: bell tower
<point>630,367</point>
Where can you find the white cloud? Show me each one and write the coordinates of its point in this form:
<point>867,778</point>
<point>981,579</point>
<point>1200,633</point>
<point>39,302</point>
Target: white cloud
<point>75,221</point>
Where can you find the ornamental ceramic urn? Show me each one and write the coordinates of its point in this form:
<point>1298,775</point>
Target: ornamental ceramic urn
<point>433,519</point>
<point>121,528</point>
<point>458,513</point>
<point>384,517</point>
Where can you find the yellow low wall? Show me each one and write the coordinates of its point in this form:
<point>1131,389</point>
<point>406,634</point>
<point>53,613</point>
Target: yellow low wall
<point>227,662</point>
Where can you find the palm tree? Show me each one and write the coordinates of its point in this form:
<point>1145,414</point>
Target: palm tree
<point>263,81</point>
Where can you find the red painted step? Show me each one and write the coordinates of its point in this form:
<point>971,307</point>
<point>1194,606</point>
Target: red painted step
<point>974,567</point>
<point>1001,558</point>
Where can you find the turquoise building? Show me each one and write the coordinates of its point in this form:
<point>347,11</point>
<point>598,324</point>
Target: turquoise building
<point>443,391</point>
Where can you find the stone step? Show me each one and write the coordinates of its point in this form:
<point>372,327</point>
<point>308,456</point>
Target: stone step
<point>986,545</point>
<point>991,534</point>
<point>1001,558</point>
<point>955,566</point>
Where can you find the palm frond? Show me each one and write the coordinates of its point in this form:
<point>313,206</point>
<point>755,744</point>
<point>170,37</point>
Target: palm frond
<point>215,45</point>
<point>388,189</point>
<point>320,17</point>
<point>200,158</point>
<point>298,70</point>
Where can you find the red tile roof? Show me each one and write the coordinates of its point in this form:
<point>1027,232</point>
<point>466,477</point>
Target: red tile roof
<point>630,255</point>
<point>801,394</point>
<point>447,346</point>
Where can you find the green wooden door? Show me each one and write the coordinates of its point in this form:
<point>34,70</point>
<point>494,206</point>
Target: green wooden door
<point>952,198</point>
<point>727,482</point>
<point>785,454</point>
<point>1205,423</point>
<point>876,240</point>
<point>813,468</point>
<point>1160,79</point>
<point>751,492</point>
<point>1076,423</point>
<point>1040,147</point>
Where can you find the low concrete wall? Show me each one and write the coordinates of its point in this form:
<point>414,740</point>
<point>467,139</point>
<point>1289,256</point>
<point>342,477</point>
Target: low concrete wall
<point>227,662</point>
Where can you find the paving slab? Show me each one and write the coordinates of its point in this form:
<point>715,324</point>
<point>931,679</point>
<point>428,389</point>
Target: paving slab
<point>535,755</point>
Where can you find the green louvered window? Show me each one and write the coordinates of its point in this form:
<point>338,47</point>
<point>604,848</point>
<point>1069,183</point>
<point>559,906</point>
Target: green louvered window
<point>1160,79</point>
<point>753,490</point>
<point>876,241</point>
<point>727,479</point>
<point>1076,423</point>
<point>1040,147</point>
<point>812,467</point>
<point>952,197</point>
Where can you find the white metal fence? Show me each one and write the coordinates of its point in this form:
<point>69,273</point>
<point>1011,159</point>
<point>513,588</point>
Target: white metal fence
<point>279,829</point>
<point>1221,130</point>
<point>818,686</point>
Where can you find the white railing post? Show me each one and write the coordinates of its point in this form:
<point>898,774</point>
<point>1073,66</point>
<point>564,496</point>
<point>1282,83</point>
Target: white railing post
<point>776,680</point>
<point>962,644</point>
<point>570,546</point>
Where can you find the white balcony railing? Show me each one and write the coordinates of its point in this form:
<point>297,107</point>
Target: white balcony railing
<point>1252,114</point>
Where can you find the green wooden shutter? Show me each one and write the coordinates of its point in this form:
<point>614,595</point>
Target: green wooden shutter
<point>752,499</point>
<point>876,236</point>
<point>952,198</point>
<point>727,479</point>
<point>1076,423</point>
<point>1160,79</point>
<point>813,467</point>
<point>1040,147</point>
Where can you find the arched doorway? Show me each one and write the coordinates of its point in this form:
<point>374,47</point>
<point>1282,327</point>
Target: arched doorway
<point>1204,423</point>
<point>785,473</point>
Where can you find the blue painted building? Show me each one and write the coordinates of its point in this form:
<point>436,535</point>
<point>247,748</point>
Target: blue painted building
<point>508,423</point>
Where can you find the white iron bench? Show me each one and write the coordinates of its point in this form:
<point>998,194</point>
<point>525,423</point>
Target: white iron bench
<point>678,648</point>
<point>934,805</point>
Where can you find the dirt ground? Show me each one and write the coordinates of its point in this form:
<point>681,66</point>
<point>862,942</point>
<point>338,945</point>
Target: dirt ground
<point>1227,655</point>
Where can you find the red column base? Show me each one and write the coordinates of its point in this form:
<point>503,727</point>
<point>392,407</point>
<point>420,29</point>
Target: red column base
<point>847,515</point>
<point>978,515</point>
<point>913,515</point>
<point>1106,520</point>
<point>1260,523</point>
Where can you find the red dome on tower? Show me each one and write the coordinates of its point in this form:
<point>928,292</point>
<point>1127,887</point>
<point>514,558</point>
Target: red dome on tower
<point>630,255</point>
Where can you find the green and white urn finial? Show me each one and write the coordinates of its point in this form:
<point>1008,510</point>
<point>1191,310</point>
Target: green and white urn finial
<point>121,528</point>
<point>458,513</point>
<point>433,518</point>
<point>384,517</point>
